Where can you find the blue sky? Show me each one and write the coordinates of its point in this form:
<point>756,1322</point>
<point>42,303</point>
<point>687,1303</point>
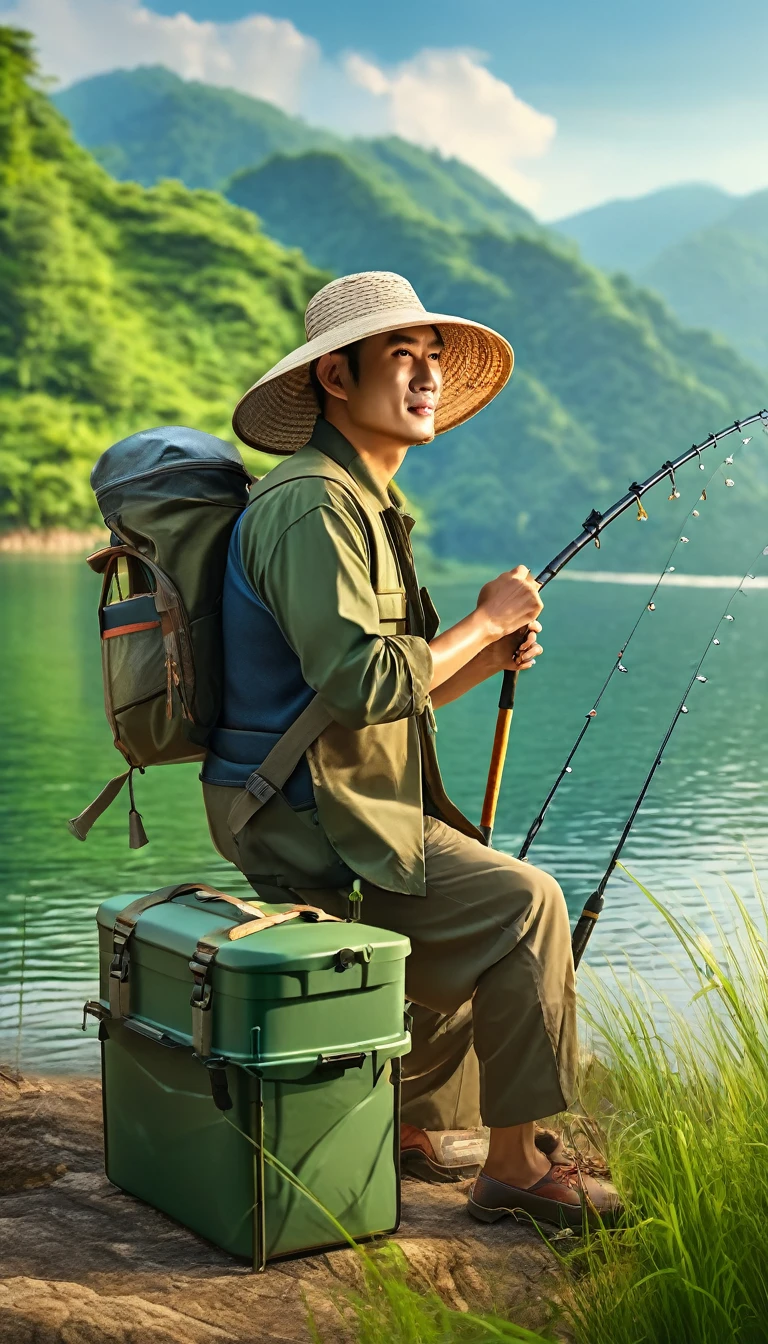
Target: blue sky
<point>564,104</point>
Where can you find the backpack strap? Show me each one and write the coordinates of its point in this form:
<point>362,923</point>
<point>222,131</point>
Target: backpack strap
<point>280,762</point>
<point>81,825</point>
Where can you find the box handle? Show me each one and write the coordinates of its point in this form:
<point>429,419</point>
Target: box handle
<point>344,1062</point>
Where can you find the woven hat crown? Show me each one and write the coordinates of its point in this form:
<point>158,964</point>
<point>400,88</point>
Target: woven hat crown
<point>355,296</point>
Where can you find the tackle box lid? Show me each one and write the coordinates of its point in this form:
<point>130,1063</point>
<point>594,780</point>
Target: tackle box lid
<point>298,945</point>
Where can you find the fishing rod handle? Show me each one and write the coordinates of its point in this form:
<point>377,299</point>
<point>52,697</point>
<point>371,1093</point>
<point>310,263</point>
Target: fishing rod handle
<point>585,926</point>
<point>496,768</point>
<point>508,688</point>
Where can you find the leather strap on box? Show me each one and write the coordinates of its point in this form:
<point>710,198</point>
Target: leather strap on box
<point>123,928</point>
<point>204,956</point>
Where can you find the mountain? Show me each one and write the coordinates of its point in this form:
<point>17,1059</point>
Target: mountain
<point>120,306</point>
<point>628,235</point>
<point>717,277</point>
<point>446,188</point>
<point>124,306</point>
<point>148,124</point>
<point>607,383</point>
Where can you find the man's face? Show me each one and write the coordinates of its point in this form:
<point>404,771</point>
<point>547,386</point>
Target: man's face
<point>399,385</point>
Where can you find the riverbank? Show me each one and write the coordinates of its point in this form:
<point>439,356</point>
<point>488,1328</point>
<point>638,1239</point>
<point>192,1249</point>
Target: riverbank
<point>52,541</point>
<point>81,1261</point>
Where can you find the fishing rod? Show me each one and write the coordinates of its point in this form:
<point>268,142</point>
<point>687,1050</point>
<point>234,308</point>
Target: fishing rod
<point>618,665</point>
<point>594,525</point>
<point>594,905</point>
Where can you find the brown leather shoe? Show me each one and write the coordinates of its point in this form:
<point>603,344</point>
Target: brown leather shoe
<point>564,1197</point>
<point>442,1156</point>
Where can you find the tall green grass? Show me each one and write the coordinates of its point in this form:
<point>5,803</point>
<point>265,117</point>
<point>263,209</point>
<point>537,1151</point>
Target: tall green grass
<point>684,1099</point>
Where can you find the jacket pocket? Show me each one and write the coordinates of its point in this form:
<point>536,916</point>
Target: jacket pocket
<point>392,611</point>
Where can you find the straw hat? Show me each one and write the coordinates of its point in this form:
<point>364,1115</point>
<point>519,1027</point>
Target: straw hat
<point>278,413</point>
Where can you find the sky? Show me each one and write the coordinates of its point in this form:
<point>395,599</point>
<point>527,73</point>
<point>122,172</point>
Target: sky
<point>563,104</point>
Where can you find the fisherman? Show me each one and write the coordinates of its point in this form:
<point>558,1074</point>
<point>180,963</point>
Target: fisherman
<point>321,605</point>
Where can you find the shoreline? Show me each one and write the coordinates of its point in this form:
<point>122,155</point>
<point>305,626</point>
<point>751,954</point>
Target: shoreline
<point>52,541</point>
<point>64,541</point>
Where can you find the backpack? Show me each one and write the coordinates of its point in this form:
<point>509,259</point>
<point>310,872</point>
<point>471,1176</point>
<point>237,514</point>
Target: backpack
<point>170,497</point>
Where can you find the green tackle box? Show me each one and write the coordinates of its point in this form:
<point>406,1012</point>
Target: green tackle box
<point>251,1068</point>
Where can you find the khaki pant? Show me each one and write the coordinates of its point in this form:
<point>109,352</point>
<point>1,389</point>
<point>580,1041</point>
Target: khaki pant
<point>490,973</point>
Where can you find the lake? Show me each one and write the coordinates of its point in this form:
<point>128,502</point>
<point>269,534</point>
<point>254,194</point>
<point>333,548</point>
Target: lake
<point>708,801</point>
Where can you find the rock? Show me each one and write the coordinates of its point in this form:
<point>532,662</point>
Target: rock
<point>82,1263</point>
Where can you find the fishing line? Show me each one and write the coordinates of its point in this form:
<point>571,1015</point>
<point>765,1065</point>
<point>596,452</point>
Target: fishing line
<point>593,907</point>
<point>22,969</point>
<point>648,606</point>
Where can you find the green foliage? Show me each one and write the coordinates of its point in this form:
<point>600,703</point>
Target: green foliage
<point>447,189</point>
<point>148,124</point>
<point>686,1142</point>
<point>607,383</point>
<point>121,307</point>
<point>124,306</point>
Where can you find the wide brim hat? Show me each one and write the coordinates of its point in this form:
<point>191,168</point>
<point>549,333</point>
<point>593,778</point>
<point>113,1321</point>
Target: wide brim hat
<point>279,412</point>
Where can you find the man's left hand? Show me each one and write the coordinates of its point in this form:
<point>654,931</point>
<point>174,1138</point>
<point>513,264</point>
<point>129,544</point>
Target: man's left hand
<point>518,651</point>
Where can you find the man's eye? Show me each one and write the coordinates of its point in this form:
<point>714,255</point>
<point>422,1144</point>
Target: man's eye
<point>402,352</point>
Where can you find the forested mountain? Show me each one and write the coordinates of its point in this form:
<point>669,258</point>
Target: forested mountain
<point>704,251</point>
<point>717,277</point>
<point>607,383</point>
<point>120,307</point>
<point>129,306</point>
<point>628,235</point>
<point>147,124</point>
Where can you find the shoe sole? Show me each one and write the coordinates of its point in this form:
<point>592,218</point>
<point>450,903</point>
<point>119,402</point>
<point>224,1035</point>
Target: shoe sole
<point>537,1210</point>
<point>417,1164</point>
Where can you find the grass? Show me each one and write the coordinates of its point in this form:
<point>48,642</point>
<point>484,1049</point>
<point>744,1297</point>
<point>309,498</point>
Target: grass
<point>387,1309</point>
<point>681,1100</point>
<point>685,1127</point>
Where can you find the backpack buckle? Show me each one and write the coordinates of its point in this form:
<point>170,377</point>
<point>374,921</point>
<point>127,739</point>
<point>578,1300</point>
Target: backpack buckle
<point>260,787</point>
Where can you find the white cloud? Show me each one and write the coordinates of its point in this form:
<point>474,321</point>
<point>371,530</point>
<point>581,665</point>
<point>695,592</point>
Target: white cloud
<point>449,100</point>
<point>266,57</point>
<point>441,99</point>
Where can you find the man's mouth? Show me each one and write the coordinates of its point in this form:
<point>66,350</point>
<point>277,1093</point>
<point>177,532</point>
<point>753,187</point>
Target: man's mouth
<point>422,408</point>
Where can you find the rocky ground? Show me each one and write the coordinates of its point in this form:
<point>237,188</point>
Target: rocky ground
<point>82,1263</point>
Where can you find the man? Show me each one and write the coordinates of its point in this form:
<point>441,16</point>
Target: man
<point>323,614</point>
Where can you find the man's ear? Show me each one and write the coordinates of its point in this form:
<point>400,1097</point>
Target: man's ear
<point>333,374</point>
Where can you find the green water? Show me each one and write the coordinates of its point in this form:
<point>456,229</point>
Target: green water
<point>709,798</point>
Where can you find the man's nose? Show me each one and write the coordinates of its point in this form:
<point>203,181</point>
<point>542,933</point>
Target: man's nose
<point>426,377</point>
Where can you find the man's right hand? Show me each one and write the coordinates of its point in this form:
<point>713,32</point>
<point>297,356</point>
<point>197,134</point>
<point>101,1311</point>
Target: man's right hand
<point>509,602</point>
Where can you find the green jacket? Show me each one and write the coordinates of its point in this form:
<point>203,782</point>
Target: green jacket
<point>328,552</point>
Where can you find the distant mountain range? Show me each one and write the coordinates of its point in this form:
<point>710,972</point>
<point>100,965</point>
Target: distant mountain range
<point>607,382</point>
<point>628,235</point>
<point>703,250</point>
<point>147,124</point>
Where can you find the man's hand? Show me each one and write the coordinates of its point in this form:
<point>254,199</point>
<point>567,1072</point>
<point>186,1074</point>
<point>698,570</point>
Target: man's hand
<point>510,603</point>
<point>500,633</point>
<point>516,652</point>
